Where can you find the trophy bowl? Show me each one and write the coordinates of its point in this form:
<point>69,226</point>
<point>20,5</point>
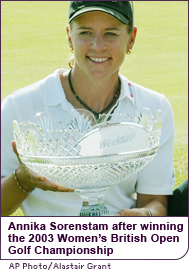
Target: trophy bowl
<point>89,156</point>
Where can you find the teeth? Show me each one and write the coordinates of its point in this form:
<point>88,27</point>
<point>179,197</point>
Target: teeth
<point>98,59</point>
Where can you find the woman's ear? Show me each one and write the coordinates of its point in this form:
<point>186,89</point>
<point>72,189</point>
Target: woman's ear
<point>69,37</point>
<point>131,40</point>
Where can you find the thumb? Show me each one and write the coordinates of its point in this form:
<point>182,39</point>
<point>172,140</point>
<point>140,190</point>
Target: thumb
<point>13,143</point>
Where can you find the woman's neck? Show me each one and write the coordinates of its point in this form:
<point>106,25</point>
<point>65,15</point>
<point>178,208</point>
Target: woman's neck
<point>96,93</point>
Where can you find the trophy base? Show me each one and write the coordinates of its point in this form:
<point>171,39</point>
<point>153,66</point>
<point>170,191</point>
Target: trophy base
<point>95,210</point>
<point>93,202</point>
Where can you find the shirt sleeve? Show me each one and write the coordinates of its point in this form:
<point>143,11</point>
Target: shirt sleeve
<point>9,160</point>
<point>22,105</point>
<point>157,178</point>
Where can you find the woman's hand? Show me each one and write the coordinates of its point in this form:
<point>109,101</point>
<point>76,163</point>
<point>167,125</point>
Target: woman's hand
<point>157,204</point>
<point>133,212</point>
<point>30,180</point>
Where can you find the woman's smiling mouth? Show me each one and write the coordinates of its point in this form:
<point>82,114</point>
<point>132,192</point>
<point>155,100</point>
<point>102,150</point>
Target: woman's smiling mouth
<point>98,59</point>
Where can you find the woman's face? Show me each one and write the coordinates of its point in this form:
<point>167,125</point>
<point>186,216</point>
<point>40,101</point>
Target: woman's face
<point>100,43</point>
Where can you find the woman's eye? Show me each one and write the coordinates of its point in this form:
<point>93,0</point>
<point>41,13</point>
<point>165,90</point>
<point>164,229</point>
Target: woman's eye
<point>111,34</point>
<point>85,33</point>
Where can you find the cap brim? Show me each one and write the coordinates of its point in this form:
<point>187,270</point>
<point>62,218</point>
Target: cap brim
<point>109,11</point>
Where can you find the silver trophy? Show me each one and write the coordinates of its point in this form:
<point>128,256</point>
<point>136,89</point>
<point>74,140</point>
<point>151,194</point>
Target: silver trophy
<point>79,152</point>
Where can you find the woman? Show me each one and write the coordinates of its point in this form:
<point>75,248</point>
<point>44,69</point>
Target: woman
<point>99,34</point>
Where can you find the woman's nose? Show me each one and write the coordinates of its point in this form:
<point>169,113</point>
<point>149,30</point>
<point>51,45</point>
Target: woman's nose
<point>98,42</point>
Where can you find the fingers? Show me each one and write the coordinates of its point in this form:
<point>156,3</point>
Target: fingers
<point>13,143</point>
<point>30,179</point>
<point>122,212</point>
<point>131,212</point>
<point>44,184</point>
<point>126,212</point>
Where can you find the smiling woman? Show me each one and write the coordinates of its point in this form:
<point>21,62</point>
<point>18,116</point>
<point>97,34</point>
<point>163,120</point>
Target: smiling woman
<point>100,34</point>
<point>99,42</point>
<point>109,33</point>
<point>105,42</point>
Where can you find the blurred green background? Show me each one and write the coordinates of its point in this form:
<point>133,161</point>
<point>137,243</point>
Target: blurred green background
<point>34,44</point>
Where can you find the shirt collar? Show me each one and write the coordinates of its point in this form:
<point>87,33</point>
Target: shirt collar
<point>53,93</point>
<point>127,89</point>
